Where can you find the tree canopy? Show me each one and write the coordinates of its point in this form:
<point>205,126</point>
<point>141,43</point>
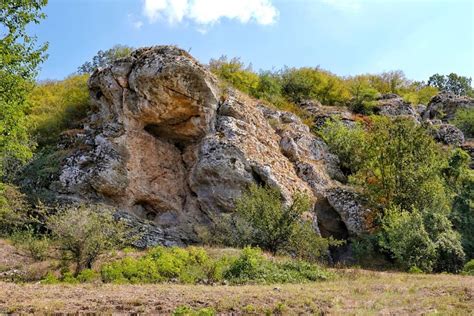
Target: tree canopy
<point>20,56</point>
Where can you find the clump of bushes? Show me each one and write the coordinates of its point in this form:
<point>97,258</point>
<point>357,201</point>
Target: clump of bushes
<point>82,233</point>
<point>469,268</point>
<point>56,106</point>
<point>405,175</point>
<point>35,245</point>
<point>193,265</point>
<point>262,219</point>
<point>464,120</point>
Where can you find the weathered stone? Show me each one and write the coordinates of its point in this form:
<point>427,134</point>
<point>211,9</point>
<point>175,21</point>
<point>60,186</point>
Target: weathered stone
<point>445,105</point>
<point>351,209</point>
<point>393,105</point>
<point>167,150</point>
<point>448,134</point>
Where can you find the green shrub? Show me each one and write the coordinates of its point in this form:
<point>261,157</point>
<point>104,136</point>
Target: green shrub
<point>82,233</point>
<point>88,275</point>
<point>347,143</point>
<point>56,106</point>
<point>464,120</point>
<point>188,311</point>
<point>252,267</point>
<point>50,278</point>
<point>261,219</point>
<point>36,246</point>
<point>415,270</point>
<point>68,277</point>
<point>469,268</point>
<point>449,252</point>
<point>405,237</point>
<point>235,73</point>
<point>13,210</point>
<point>313,83</point>
<point>193,265</point>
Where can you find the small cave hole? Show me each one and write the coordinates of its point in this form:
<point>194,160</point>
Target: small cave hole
<point>163,133</point>
<point>145,210</point>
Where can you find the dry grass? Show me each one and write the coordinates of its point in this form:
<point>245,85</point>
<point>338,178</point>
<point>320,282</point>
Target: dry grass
<point>353,292</point>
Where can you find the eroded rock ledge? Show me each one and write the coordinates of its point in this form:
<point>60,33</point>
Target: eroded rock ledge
<point>168,147</point>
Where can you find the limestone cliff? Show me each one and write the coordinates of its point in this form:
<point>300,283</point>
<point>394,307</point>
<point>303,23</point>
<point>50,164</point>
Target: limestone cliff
<point>166,145</point>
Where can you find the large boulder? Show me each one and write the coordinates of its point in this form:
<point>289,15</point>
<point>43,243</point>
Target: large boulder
<point>448,134</point>
<point>393,105</point>
<point>445,105</point>
<point>168,148</point>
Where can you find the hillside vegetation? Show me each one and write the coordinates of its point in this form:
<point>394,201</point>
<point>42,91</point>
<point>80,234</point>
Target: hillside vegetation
<point>394,154</point>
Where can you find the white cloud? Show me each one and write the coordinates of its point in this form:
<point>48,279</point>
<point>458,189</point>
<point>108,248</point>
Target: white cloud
<point>208,12</point>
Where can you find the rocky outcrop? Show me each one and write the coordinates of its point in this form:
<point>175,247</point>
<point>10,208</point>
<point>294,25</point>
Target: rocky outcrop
<point>393,105</point>
<point>445,105</point>
<point>167,148</point>
<point>448,134</point>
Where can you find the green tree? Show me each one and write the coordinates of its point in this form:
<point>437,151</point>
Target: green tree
<point>85,232</point>
<point>19,58</point>
<point>402,165</point>
<point>235,73</point>
<point>363,94</point>
<point>263,220</point>
<point>104,58</point>
<point>313,83</point>
<point>460,179</point>
<point>459,85</point>
<point>405,237</point>
<point>464,120</point>
<point>56,106</point>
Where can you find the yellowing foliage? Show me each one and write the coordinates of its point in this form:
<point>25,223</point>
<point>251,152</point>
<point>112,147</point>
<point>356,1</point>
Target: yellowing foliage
<point>56,106</point>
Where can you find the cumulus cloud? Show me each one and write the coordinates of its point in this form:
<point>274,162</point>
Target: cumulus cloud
<point>208,12</point>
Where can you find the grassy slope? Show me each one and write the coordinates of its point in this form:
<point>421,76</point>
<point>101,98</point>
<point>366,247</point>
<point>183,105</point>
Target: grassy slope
<point>354,292</point>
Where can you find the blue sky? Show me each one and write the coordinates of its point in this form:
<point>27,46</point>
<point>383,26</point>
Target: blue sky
<point>347,37</point>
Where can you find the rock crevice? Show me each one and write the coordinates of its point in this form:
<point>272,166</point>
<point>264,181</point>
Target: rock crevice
<point>165,146</point>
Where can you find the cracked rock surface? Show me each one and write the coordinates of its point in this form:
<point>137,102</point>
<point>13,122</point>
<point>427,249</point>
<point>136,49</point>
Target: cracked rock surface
<point>166,146</point>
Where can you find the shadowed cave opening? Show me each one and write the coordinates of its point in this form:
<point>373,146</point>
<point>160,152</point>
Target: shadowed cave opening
<point>164,133</point>
<point>145,210</point>
<point>329,221</point>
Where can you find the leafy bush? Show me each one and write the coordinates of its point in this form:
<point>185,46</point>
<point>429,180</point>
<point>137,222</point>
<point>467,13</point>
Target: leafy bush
<point>415,270</point>
<point>363,95</point>
<point>460,179</point>
<point>235,73</point>
<point>449,252</point>
<point>405,237</point>
<point>469,268</point>
<point>421,239</point>
<point>88,275</point>
<point>261,219</point>
<point>82,233</point>
<point>36,246</point>
<point>252,267</point>
<point>56,106</point>
<point>193,265</point>
<point>188,311</point>
<point>464,120</point>
<point>347,143</point>
<point>105,58</point>
<point>313,83</point>
<point>50,278</point>
<point>13,210</point>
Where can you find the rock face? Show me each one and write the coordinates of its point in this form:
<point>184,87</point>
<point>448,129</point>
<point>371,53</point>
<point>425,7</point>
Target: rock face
<point>444,106</point>
<point>167,147</point>
<point>394,105</point>
<point>448,134</point>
